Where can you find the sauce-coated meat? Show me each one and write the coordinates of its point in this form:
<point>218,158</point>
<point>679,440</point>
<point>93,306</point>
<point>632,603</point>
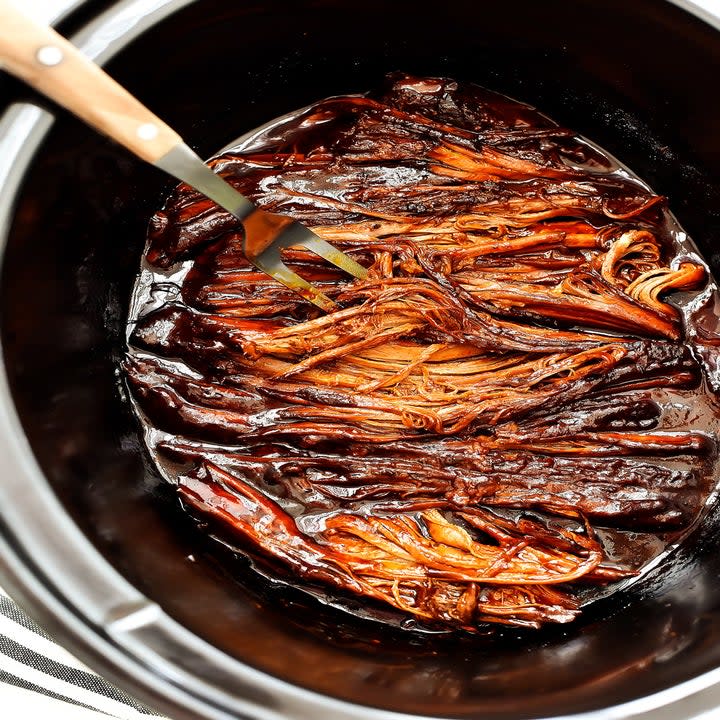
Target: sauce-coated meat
<point>514,384</point>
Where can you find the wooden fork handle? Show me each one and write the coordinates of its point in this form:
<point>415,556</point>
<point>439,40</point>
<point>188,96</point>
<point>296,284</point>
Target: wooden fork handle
<point>45,60</point>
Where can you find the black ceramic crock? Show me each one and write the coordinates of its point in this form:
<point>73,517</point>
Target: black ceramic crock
<point>94,544</point>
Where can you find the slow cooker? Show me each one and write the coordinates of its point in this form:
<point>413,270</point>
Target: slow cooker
<point>94,544</point>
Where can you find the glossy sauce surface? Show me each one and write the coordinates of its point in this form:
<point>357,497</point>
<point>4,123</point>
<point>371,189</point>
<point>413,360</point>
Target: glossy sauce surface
<point>523,388</point>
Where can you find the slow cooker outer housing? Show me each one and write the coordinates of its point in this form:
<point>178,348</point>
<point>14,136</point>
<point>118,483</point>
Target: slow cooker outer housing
<point>92,540</point>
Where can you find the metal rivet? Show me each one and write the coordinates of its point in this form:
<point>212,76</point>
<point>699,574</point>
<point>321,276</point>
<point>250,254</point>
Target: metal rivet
<point>49,55</point>
<point>147,131</point>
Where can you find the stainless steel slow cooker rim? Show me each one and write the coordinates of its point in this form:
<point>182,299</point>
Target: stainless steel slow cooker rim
<point>80,597</point>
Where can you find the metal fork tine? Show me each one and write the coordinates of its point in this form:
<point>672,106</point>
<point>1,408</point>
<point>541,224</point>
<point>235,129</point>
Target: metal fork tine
<point>277,269</point>
<point>338,258</point>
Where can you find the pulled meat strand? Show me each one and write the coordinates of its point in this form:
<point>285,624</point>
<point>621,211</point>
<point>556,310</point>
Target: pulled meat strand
<point>425,564</point>
<point>433,392</point>
<point>646,494</point>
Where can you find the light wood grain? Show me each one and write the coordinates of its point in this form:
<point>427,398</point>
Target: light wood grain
<point>79,85</point>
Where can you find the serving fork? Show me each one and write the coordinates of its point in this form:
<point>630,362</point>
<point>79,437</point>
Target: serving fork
<point>47,62</point>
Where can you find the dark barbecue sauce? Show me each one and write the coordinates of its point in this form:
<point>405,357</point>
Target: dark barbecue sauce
<point>513,415</point>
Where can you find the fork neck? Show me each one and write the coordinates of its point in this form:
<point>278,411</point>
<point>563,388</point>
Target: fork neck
<point>184,164</point>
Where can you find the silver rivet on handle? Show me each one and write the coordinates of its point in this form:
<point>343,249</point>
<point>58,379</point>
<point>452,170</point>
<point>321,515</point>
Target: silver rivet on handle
<point>147,131</point>
<point>49,55</point>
